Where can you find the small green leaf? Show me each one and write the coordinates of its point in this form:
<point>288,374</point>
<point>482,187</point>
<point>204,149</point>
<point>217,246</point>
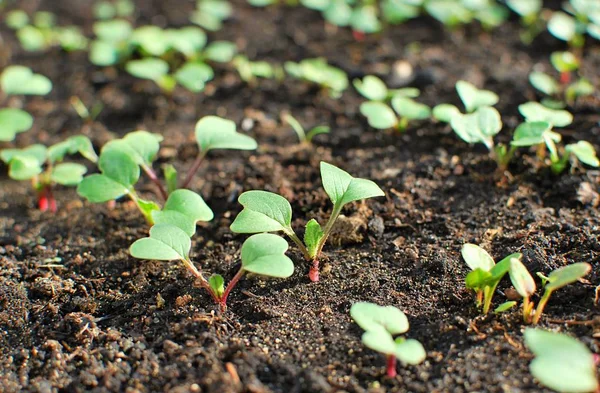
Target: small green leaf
<point>99,188</point>
<point>317,131</point>
<point>32,39</point>
<point>474,98</point>
<point>170,174</point>
<point>372,88</point>
<point>166,243</point>
<point>12,122</point>
<point>567,275</point>
<point>16,19</point>
<point>103,53</point>
<point>410,109</point>
<point>489,121</point>
<point>264,254</point>
<point>364,18</point>
<point>370,316</point>
<point>476,257</point>
<point>76,144</point>
<point>505,307</point>
<point>410,351</point>
<point>379,340</point>
<point>467,127</point>
<point>187,40</point>
<point>564,61</point>
<point>152,39</point>
<point>530,134</point>
<point>342,188</point>
<point>141,146</point>
<point>37,151</point>
<point>379,115</point>
<point>217,284</point>
<point>112,31</point>
<point>221,51</point>
<point>184,208</point>
<point>562,26</point>
<point>68,174</point>
<point>585,152</point>
<point>544,83</point>
<point>525,8</point>
<point>147,208</point>
<point>193,76</point>
<point>296,126</point>
<point>24,167</point>
<point>521,278</point>
<point>17,80</point>
<point>478,279</point>
<point>213,132</point>
<point>312,236</point>
<point>445,112</point>
<point>534,111</point>
<point>149,68</point>
<point>338,13</point>
<point>263,212</point>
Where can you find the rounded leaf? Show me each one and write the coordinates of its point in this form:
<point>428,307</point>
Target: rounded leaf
<point>99,188</point>
<point>372,88</point>
<point>530,134</point>
<point>585,152</point>
<point>263,212</point>
<point>410,109</point>
<point>166,243</point>
<point>12,122</point>
<point>68,173</point>
<point>474,98</point>
<point>410,351</point>
<point>119,166</point>
<point>521,278</point>
<point>544,83</point>
<point>567,275</point>
<point>21,80</point>
<point>372,317</point>
<point>342,188</point>
<point>379,115</point>
<point>379,340</point>
<point>264,254</point>
<point>562,26</point>
<point>445,112</point>
<point>534,111</point>
<point>149,68</point>
<point>476,257</point>
<point>193,76</point>
<point>213,132</point>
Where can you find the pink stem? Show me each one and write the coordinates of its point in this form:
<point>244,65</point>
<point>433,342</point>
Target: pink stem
<point>391,366</point>
<point>152,175</point>
<point>232,283</point>
<point>193,169</point>
<point>313,273</point>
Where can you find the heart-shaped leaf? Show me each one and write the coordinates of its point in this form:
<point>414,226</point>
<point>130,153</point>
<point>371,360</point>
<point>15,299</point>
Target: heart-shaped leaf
<point>312,236</point>
<point>141,146</point>
<point>187,40</point>
<point>12,122</point>
<point>183,209</point>
<point>113,31</point>
<point>76,144</point>
<point>24,164</point>
<point>531,134</point>
<point>562,26</point>
<point>474,98</point>
<point>410,109</point>
<point>534,111</point>
<point>213,132</point>
<point>467,127</point>
<point>544,83</point>
<point>371,316</point>
<point>166,243</point>
<point>264,254</point>
<point>149,68</point>
<point>445,112</point>
<point>585,152</point>
<point>68,173</point>
<point>489,121</point>
<point>152,39</point>
<point>372,88</point>
<point>379,115</point>
<point>193,76</point>
<point>410,351</point>
<point>263,212</point>
<point>342,188</point>
<point>103,53</point>
<point>21,80</point>
<point>220,51</point>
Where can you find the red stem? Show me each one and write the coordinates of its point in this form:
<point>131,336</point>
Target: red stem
<point>313,273</point>
<point>193,169</point>
<point>51,199</point>
<point>42,200</point>
<point>391,366</point>
<point>565,77</point>
<point>232,283</point>
<point>152,175</point>
<point>358,35</point>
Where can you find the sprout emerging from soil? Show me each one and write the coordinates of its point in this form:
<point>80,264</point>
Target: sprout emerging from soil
<point>262,254</point>
<point>317,71</point>
<point>561,363</point>
<point>305,137</point>
<point>268,212</point>
<point>381,324</point>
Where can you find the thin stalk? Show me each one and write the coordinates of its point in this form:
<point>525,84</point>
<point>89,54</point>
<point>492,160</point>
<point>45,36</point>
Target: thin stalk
<point>232,283</point>
<point>292,235</point>
<point>314,270</point>
<point>193,169</point>
<point>540,308</point>
<point>133,196</point>
<point>203,281</point>
<point>527,307</point>
<point>391,366</point>
<point>152,175</point>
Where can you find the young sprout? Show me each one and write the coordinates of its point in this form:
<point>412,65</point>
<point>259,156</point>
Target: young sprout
<point>571,28</point>
<point>378,112</point>
<point>12,122</point>
<point>268,212</point>
<point>108,10</point>
<point>455,13</point>
<point>262,254</point>
<point>561,362</point>
<point>112,42</point>
<point>381,324</point>
<point>20,80</point>
<point>210,14</point>
<point>305,137</point>
<point>524,285</point>
<point>529,11</point>
<point>250,71</point>
<point>319,72</point>
<point>44,166</point>
<point>472,99</point>
<point>485,274</point>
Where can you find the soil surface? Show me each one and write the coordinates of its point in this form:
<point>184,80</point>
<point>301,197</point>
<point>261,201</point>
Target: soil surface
<point>77,313</point>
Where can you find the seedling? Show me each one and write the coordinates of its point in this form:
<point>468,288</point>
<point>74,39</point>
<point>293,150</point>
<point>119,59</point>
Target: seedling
<point>456,13</point>
<point>121,160</point>
<point>378,112</point>
<point>561,362</point>
<point>112,44</point>
<point>485,274</point>
<point>12,122</point>
<point>268,212</point>
<point>305,137</point>
<point>317,71</point>
<point>582,18</point>
<point>381,324</point>
<point>262,254</point>
<point>20,80</point>
<point>105,10</point>
<point>44,167</point>
<point>525,285</point>
<point>251,71</point>
<point>210,14</point>
<point>529,11</point>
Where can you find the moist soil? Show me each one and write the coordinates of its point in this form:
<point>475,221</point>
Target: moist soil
<point>77,313</point>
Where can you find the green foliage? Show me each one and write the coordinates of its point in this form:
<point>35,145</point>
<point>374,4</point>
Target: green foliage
<point>319,72</point>
<point>213,132</point>
<point>183,209</point>
<point>20,80</point>
<point>105,10</point>
<point>561,363</point>
<point>263,212</point>
<point>342,188</point>
<point>474,98</point>
<point>251,71</point>
<point>305,137</point>
<point>12,122</point>
<point>166,243</point>
<point>536,112</point>
<point>210,14</point>
<point>264,254</point>
<point>478,127</point>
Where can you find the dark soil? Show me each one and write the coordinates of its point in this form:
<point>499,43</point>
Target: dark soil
<point>77,313</point>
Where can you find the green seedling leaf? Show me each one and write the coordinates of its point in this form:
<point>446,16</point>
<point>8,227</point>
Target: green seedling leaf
<point>76,144</point>
<point>562,363</point>
<point>580,88</point>
<point>585,152</point>
<point>170,174</point>
<point>489,121</point>
<point>445,112</point>
<point>317,131</point>
<point>13,122</point>
<point>103,53</point>
<point>24,167</point>
<point>211,14</point>
<point>409,351</point>
<point>217,284</point>
<point>220,51</point>
<point>544,83</point>
<point>467,127</point>
<point>364,18</point>
<point>478,279</point>
<point>521,279</point>
<point>476,257</point>
<point>149,68</point>
<point>534,112</point>
<point>342,188</point>
<point>104,10</point>
<point>187,40</point>
<point>371,316</point>
<point>193,76</point>
<point>312,236</point>
<point>68,174</point>
<point>213,132</point>
<point>152,39</point>
<point>505,307</point>
<point>525,8</point>
<point>147,208</point>
<point>183,209</point>
<point>410,109</point>
<point>379,115</point>
<point>372,88</point>
<point>37,151</point>
<point>44,20</point>
<point>17,80</point>
<point>113,31</point>
<point>263,212</point>
<point>141,146</point>
<point>474,98</point>
<point>16,19</point>
<point>296,126</point>
<point>531,133</point>
<point>264,254</point>
<point>338,13</point>
<point>166,243</point>
<point>32,39</point>
<point>567,275</point>
<point>397,11</point>
<point>318,5</point>
<point>564,61</point>
<point>562,26</point>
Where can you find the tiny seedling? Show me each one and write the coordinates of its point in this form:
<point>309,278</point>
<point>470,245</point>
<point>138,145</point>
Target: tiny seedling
<point>378,112</point>
<point>381,324</point>
<point>529,12</point>
<point>105,10</point>
<point>485,274</point>
<point>305,137</point>
<point>12,122</point>
<point>43,166</point>
<point>111,45</point>
<point>268,212</point>
<point>210,14</point>
<point>581,17</point>
<point>317,71</point>
<point>454,13</point>
<point>472,99</point>
<point>561,362</point>
<point>262,254</point>
<point>525,285</point>
<point>251,71</point>
<point>20,80</point>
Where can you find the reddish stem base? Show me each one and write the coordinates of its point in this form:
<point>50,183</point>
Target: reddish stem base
<point>46,200</point>
<point>391,366</point>
<point>358,35</point>
<point>565,78</point>
<point>313,273</point>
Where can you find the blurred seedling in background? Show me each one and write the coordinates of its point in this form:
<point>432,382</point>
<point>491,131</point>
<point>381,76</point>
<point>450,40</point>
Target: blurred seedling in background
<point>262,254</point>
<point>561,362</point>
<point>210,14</point>
<point>251,71</point>
<point>453,13</point>
<point>121,160</point>
<point>472,99</point>
<point>43,166</point>
<point>581,17</point>
<point>268,212</point>
<point>303,136</point>
<point>87,115</point>
<point>377,109</point>
<point>381,324</point>
<point>105,10</point>
<point>330,78</point>
<point>530,13</point>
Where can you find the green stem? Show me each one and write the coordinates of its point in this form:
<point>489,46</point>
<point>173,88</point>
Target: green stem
<point>314,270</point>
<point>540,308</point>
<point>292,235</point>
<point>133,196</point>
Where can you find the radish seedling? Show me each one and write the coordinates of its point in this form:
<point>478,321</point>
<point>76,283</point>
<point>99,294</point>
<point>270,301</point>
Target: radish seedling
<point>111,45</point>
<point>317,71</point>
<point>250,71</point>
<point>44,166</point>
<point>472,99</point>
<point>268,212</point>
<point>378,112</point>
<point>108,10</point>
<point>381,324</point>
<point>210,14</point>
<point>525,285</point>
<point>529,11</point>
<point>453,13</point>
<point>561,362</point>
<point>262,254</point>
<point>485,274</point>
<point>12,122</point>
<point>305,137</point>
<point>581,17</point>
<point>20,80</point>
